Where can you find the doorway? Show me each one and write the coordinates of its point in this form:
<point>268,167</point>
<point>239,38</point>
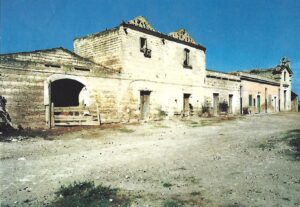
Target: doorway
<point>284,100</point>
<point>230,103</point>
<point>69,104</point>
<point>145,104</point>
<point>258,104</point>
<point>216,103</point>
<point>186,104</point>
<point>65,92</point>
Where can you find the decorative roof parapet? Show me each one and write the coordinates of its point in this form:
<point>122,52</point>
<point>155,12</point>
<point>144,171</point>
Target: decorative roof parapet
<point>183,35</point>
<point>180,34</point>
<point>285,63</point>
<point>140,21</point>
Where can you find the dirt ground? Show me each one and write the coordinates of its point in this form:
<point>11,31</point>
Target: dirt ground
<point>199,162</point>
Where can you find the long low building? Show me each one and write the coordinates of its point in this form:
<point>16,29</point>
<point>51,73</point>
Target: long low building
<point>131,73</point>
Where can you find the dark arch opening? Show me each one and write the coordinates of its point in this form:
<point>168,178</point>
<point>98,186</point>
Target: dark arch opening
<point>65,92</point>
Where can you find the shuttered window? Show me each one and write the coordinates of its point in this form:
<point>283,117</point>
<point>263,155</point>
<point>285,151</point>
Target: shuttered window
<point>250,100</point>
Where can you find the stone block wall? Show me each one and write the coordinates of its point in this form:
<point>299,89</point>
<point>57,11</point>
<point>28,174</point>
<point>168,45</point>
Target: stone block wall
<point>24,80</point>
<point>163,73</point>
<point>26,91</point>
<point>167,99</point>
<point>224,85</point>
<point>103,48</point>
<point>23,91</point>
<point>166,61</point>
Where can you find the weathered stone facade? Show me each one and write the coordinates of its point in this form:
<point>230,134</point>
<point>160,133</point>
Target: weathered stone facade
<point>163,73</point>
<point>295,102</point>
<point>222,87</point>
<point>131,73</point>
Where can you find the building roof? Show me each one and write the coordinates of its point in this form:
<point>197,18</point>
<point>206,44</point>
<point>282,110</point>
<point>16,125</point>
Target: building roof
<point>183,35</point>
<point>14,55</point>
<point>221,75</point>
<point>180,34</point>
<point>271,72</point>
<point>49,55</point>
<point>247,75</point>
<point>256,78</point>
<point>141,24</point>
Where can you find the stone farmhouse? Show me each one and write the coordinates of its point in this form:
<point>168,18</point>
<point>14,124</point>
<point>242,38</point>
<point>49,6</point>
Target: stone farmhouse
<point>131,73</point>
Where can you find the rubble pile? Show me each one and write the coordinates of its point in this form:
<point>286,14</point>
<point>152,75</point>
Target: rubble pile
<point>5,121</point>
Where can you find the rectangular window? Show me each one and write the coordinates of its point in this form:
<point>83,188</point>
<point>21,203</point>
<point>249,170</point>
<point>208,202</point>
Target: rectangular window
<point>144,47</point>
<point>254,102</point>
<point>82,69</point>
<point>284,76</point>
<point>53,66</point>
<point>186,62</point>
<point>250,100</point>
<point>143,44</point>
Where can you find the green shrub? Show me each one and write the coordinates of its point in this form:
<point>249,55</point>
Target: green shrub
<point>206,107</point>
<point>167,185</point>
<point>223,106</point>
<point>195,193</point>
<point>172,203</point>
<point>86,194</point>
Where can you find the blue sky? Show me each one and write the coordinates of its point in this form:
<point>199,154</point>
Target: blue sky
<point>238,34</point>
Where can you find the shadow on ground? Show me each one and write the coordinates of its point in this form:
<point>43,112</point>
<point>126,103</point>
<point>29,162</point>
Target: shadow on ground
<point>290,138</point>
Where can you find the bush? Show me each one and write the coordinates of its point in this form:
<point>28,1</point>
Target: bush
<point>223,106</point>
<point>245,110</point>
<point>86,194</point>
<point>172,203</point>
<point>206,108</point>
<point>167,185</point>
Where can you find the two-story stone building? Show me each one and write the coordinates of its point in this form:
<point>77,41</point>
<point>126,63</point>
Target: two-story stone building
<point>131,73</point>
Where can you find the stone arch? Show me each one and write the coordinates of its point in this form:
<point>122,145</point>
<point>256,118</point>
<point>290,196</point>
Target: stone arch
<point>56,81</point>
<point>66,92</point>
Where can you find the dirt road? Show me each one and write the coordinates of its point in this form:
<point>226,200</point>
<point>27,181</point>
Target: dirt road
<point>242,162</point>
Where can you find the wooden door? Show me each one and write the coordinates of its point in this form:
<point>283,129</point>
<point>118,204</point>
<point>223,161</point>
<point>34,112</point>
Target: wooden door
<point>145,104</point>
<point>216,103</point>
<point>186,104</point>
<point>230,103</point>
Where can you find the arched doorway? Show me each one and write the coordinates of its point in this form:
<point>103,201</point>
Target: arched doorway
<point>68,103</point>
<point>65,92</point>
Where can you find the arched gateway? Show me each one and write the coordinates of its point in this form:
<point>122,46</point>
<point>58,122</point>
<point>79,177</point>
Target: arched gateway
<point>67,102</point>
<point>66,92</point>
